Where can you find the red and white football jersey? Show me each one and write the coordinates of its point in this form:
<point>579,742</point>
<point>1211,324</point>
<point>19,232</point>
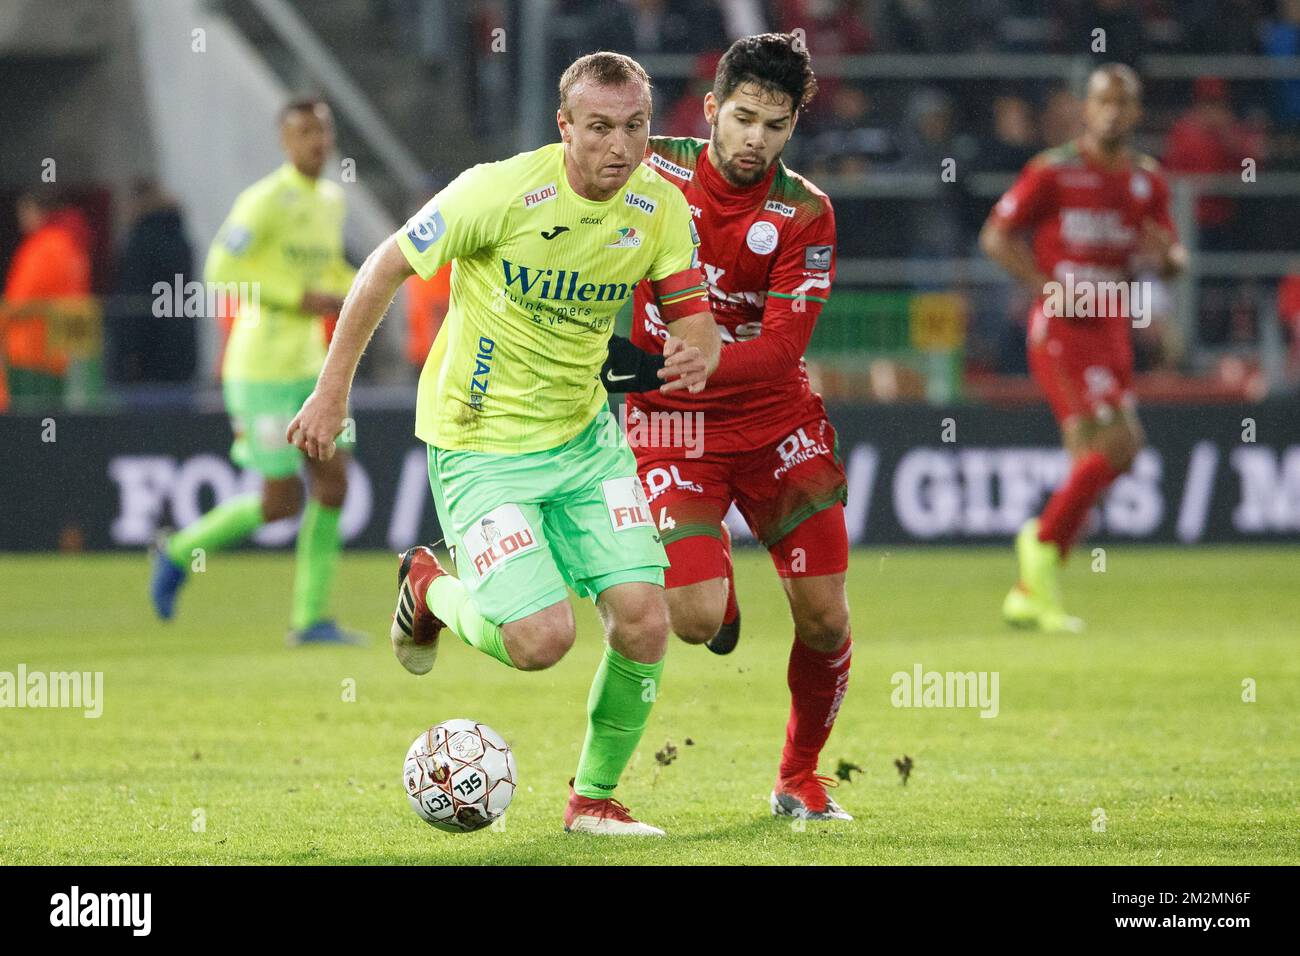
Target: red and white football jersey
<point>767,253</point>
<point>1085,218</point>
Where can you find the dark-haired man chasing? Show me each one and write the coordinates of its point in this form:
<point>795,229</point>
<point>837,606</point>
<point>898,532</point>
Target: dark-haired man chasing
<point>767,248</point>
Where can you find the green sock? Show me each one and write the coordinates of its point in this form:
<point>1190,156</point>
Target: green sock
<point>226,524</point>
<point>617,710</point>
<point>452,604</point>
<point>317,558</point>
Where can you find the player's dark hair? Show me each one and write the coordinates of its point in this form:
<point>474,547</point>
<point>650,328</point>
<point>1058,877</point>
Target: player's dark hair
<point>777,62</point>
<point>602,69</point>
<point>300,104</point>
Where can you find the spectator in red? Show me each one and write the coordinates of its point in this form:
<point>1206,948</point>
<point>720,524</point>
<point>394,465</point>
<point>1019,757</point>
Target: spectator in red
<point>831,28</point>
<point>1208,138</point>
<point>1288,311</point>
<point>686,115</point>
<point>51,265</point>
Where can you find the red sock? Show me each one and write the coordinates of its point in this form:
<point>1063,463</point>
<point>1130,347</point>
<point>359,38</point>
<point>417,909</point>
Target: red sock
<point>817,685</point>
<point>1069,504</point>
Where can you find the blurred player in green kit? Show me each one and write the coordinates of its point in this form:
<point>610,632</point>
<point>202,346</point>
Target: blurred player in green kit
<point>282,244</point>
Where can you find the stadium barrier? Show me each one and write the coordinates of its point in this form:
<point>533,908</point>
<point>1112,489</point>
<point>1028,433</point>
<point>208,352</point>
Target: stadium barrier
<point>916,475</point>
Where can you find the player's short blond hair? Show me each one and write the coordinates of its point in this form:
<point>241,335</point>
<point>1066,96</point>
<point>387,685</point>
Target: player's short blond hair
<point>602,69</point>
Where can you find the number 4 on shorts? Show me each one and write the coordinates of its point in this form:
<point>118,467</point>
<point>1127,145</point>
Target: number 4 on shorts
<point>666,523</point>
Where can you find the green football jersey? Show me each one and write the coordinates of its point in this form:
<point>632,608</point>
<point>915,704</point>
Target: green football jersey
<point>539,274</point>
<point>283,236</point>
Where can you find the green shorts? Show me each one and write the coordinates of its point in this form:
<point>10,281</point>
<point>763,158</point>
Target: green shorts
<point>522,527</point>
<point>260,412</point>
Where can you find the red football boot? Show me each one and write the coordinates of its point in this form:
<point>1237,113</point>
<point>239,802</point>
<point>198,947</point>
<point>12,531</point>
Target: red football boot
<point>606,817</point>
<point>804,795</point>
<point>415,630</point>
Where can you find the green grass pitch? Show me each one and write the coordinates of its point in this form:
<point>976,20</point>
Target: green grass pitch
<point>217,744</point>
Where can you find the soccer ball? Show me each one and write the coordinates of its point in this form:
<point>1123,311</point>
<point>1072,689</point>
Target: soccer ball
<point>459,775</point>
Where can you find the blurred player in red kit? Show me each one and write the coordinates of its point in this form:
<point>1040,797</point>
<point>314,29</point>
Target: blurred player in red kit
<point>757,435</point>
<point>1081,222</point>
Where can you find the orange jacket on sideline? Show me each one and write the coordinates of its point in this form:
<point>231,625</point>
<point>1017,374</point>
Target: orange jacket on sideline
<point>426,307</point>
<point>52,262</point>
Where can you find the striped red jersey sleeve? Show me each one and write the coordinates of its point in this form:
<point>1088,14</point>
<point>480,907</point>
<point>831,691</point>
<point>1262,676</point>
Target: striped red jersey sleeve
<point>680,294</point>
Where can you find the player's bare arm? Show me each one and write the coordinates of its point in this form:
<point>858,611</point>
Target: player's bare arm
<point>1158,246</point>
<point>691,353</point>
<point>315,427</point>
<point>1011,251</point>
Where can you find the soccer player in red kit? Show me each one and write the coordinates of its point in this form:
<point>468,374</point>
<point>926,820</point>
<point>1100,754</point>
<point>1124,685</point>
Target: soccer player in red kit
<point>1098,215</point>
<point>767,248</point>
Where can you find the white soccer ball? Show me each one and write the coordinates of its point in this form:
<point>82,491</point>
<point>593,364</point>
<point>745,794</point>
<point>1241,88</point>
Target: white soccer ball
<point>459,775</point>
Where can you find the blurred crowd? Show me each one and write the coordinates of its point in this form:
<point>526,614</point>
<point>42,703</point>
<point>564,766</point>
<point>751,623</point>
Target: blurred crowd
<point>853,130</point>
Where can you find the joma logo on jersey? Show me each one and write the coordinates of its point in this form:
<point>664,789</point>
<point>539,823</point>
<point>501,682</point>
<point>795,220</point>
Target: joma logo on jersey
<point>538,196</point>
<point>478,382</point>
<point>560,284</point>
<point>648,206</point>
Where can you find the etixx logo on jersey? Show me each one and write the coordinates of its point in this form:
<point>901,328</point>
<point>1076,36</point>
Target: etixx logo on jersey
<point>499,536</point>
<point>425,228</point>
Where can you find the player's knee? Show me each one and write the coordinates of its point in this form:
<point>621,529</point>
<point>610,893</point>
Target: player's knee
<point>331,491</point>
<point>542,644</point>
<point>281,499</point>
<point>823,629</point>
<point>1123,451</point>
<point>697,625</point>
<point>696,611</point>
<point>641,629</point>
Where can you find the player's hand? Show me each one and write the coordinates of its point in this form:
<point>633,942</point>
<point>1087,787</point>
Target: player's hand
<point>1156,238</point>
<point>317,424</point>
<point>685,367</point>
<point>1153,248</point>
<point>320,303</point>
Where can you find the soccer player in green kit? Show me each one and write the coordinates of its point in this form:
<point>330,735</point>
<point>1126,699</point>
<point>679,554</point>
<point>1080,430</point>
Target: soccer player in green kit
<point>284,238</point>
<point>533,481</point>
